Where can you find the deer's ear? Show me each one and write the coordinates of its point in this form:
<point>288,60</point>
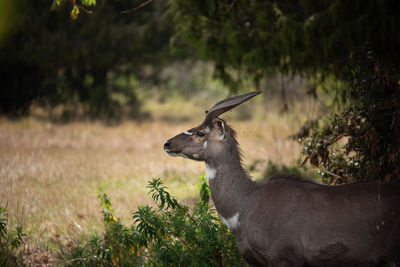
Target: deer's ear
<point>219,126</point>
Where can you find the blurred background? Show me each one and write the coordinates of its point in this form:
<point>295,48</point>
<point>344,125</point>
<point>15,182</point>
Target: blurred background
<point>90,91</point>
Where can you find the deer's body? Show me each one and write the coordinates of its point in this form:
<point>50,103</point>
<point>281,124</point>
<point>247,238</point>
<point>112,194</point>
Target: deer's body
<point>288,221</point>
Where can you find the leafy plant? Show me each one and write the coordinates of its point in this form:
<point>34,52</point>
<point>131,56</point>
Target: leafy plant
<point>76,6</point>
<point>9,241</point>
<point>168,234</point>
<point>362,142</point>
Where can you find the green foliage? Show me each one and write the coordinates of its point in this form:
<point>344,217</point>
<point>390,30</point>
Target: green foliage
<point>76,5</point>
<point>361,142</point>
<point>90,65</point>
<point>9,241</point>
<point>170,234</point>
<point>288,36</point>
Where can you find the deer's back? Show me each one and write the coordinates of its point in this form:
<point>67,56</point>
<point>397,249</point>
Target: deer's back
<point>304,222</point>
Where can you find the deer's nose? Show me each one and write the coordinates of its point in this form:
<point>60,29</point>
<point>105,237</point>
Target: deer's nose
<point>167,144</point>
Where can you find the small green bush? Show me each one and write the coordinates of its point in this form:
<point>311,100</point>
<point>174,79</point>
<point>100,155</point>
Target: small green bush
<point>169,234</point>
<point>9,242</point>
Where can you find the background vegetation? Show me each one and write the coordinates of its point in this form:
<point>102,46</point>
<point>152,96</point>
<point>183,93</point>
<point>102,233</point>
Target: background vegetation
<point>91,89</point>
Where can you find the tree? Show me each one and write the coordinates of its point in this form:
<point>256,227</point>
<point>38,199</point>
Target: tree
<point>290,36</point>
<point>51,59</point>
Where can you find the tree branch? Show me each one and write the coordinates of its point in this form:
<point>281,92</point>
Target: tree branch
<point>84,9</point>
<point>136,8</point>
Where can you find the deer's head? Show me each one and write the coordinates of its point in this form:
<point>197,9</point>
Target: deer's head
<point>210,137</point>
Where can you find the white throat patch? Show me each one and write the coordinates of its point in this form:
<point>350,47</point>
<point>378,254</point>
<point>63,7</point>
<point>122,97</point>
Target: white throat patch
<point>211,172</point>
<point>178,155</point>
<point>232,222</point>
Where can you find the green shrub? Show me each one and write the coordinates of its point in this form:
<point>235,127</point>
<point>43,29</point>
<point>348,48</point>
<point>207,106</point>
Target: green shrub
<point>361,142</point>
<point>9,242</point>
<point>168,234</point>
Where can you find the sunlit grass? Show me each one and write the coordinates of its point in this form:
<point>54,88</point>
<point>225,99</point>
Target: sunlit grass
<point>51,172</point>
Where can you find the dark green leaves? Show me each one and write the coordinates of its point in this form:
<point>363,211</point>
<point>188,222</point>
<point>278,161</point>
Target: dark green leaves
<point>170,234</point>
<point>76,6</point>
<point>362,142</point>
<point>10,241</point>
<point>160,195</point>
<point>287,36</point>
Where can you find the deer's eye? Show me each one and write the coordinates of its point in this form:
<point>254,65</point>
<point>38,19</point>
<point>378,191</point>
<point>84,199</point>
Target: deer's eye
<point>201,134</point>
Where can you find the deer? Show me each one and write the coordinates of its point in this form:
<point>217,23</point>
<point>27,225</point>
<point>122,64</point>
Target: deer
<point>289,220</point>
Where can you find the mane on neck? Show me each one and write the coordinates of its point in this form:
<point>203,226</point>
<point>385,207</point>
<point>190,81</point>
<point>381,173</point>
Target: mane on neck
<point>235,148</point>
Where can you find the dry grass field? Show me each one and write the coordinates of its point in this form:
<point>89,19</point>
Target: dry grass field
<point>50,173</point>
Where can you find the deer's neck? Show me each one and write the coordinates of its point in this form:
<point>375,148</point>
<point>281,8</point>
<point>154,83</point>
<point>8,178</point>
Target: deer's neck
<point>230,185</point>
